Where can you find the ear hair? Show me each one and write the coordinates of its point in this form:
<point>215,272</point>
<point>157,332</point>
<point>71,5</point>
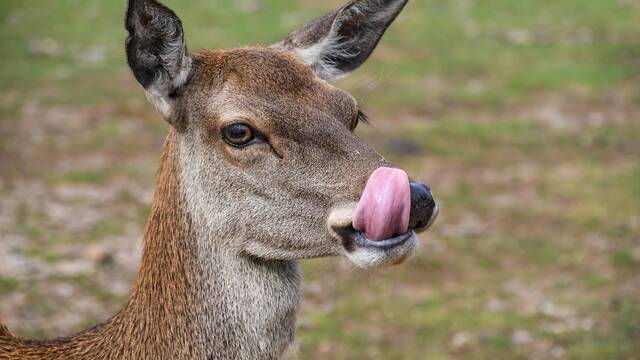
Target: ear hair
<point>339,42</point>
<point>157,53</point>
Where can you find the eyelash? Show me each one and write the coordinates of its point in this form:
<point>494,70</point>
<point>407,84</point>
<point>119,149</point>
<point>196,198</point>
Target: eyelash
<point>361,117</point>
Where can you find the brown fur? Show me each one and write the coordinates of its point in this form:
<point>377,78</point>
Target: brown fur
<point>162,297</point>
<point>220,275</point>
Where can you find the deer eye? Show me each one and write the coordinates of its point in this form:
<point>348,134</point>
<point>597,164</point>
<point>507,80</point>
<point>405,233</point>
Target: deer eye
<point>238,135</point>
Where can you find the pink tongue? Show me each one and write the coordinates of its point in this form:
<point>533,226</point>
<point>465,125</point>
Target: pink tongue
<point>383,210</point>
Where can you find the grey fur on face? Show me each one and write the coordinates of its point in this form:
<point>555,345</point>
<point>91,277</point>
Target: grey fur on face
<point>220,275</point>
<point>257,211</point>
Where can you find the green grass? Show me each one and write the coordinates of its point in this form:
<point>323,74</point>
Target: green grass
<point>8,284</point>
<point>84,177</point>
<point>536,209</point>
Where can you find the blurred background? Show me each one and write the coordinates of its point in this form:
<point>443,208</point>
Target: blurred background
<point>524,117</point>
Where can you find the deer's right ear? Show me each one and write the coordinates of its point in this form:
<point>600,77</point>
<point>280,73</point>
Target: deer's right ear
<point>337,43</point>
<point>157,53</point>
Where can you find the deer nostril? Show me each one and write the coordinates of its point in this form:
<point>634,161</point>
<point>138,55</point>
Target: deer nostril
<point>422,205</point>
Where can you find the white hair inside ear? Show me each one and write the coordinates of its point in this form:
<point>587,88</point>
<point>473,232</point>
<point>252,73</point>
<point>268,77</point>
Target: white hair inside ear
<point>320,56</point>
<point>339,42</point>
<point>160,91</point>
<point>157,53</point>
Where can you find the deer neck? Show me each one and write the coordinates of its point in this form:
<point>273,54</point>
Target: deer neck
<point>202,293</point>
<point>192,298</point>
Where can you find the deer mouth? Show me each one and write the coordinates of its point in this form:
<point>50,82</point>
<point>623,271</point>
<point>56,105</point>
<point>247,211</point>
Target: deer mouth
<point>380,229</point>
<point>365,252</point>
<point>360,239</point>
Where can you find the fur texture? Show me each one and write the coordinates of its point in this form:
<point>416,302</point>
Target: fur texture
<point>220,275</point>
<point>339,42</point>
<point>164,295</point>
<point>157,52</point>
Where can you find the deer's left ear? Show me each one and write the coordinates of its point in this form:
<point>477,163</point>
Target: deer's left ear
<point>339,42</point>
<point>157,53</point>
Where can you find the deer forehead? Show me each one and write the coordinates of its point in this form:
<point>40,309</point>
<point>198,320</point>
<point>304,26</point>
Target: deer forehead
<point>267,85</point>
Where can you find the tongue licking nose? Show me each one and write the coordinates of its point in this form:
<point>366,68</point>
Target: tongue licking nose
<point>383,210</point>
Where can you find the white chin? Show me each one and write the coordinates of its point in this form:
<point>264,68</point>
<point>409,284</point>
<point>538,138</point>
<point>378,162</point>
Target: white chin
<point>372,257</point>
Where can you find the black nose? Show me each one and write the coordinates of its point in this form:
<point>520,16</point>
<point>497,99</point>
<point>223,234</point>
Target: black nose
<point>422,206</point>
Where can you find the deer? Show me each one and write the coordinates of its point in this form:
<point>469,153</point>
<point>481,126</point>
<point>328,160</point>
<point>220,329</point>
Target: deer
<point>260,169</point>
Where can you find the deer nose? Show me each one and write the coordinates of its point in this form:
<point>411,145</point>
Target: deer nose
<point>424,210</point>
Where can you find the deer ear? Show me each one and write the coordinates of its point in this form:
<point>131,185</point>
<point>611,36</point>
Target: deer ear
<point>339,42</point>
<point>157,53</point>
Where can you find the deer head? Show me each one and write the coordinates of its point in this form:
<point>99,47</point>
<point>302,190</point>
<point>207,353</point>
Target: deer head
<point>261,168</point>
<point>268,159</point>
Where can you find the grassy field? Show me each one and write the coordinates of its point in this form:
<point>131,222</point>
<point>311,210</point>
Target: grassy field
<point>523,116</point>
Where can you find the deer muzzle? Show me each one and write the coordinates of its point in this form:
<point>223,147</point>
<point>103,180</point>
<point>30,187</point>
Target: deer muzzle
<point>391,205</point>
